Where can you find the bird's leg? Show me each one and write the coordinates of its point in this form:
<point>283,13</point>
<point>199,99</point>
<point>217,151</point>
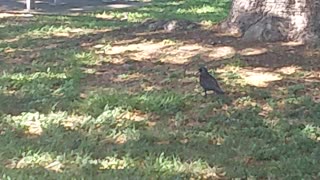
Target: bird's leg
<point>205,93</point>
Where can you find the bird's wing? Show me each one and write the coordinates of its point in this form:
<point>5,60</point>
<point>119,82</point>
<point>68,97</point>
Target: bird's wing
<point>210,83</point>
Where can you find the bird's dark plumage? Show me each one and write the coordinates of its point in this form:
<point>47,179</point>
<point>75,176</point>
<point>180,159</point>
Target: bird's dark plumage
<point>208,82</point>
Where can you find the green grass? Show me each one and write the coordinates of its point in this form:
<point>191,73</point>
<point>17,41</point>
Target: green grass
<point>210,11</point>
<point>61,119</point>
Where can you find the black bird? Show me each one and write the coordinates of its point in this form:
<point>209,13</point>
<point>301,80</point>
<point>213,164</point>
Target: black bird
<point>208,82</point>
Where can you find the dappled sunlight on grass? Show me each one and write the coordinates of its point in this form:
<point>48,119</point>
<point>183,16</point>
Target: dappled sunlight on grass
<point>312,132</point>
<point>253,51</point>
<point>154,101</point>
<point>167,164</point>
<point>5,15</point>
<point>72,122</point>
<point>128,77</point>
<point>258,78</point>
<point>145,48</point>
<point>115,163</point>
<point>171,53</point>
<point>288,70</point>
<point>223,52</point>
<point>56,162</point>
<point>67,32</point>
<point>100,95</point>
<point>201,10</point>
<point>51,26</point>
<point>293,44</point>
<point>28,161</point>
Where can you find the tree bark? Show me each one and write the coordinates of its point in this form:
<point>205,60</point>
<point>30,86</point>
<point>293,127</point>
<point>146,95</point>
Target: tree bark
<point>274,20</point>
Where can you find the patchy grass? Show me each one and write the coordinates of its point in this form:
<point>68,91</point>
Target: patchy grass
<point>208,11</point>
<point>98,96</point>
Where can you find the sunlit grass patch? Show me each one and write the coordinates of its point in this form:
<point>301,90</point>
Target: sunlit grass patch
<point>192,10</point>
<point>42,26</point>
<point>43,90</point>
<point>167,102</point>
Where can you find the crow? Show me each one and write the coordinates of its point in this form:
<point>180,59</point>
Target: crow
<point>208,82</point>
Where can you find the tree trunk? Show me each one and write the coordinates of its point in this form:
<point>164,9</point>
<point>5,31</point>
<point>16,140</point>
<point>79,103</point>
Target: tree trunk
<point>30,4</point>
<point>274,20</point>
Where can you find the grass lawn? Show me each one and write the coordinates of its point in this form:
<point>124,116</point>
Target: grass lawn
<point>99,96</point>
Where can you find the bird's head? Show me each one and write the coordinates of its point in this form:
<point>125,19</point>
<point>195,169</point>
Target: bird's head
<point>203,70</point>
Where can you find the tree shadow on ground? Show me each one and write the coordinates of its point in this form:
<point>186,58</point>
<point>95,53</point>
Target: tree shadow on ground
<point>102,75</point>
<point>154,64</point>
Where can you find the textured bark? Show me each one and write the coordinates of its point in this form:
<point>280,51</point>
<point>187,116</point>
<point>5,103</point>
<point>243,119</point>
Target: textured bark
<point>274,20</point>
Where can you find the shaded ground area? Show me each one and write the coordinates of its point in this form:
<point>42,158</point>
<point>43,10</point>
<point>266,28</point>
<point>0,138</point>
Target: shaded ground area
<point>66,6</point>
<point>110,94</point>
